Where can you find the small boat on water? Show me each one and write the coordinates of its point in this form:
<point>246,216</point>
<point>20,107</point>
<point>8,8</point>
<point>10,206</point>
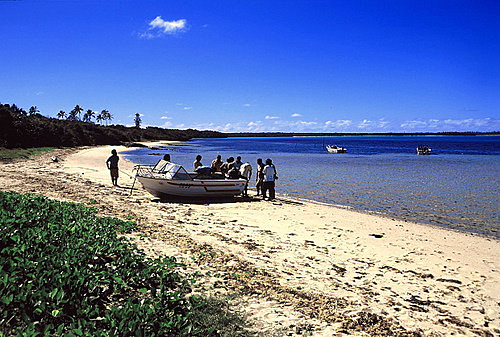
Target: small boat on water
<point>169,179</point>
<point>423,150</point>
<point>335,149</point>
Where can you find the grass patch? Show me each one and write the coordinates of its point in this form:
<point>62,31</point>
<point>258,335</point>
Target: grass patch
<point>23,153</point>
<point>66,271</point>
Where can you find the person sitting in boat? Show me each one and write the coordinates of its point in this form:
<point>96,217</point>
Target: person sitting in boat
<point>161,163</point>
<point>227,165</point>
<point>197,163</point>
<point>216,164</point>
<point>238,163</point>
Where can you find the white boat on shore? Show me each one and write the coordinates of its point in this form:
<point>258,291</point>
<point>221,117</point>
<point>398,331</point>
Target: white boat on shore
<point>335,149</point>
<point>169,179</point>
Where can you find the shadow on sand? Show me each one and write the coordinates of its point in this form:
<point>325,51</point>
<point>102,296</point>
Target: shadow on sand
<point>205,201</point>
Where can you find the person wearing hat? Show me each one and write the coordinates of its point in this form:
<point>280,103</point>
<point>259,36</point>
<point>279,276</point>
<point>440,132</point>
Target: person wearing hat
<point>270,176</point>
<point>112,165</point>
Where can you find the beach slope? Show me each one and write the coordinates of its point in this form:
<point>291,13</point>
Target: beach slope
<point>302,267</point>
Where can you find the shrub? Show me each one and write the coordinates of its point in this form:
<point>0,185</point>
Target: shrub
<point>66,271</point>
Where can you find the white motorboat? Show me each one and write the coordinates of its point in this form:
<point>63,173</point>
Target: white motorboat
<point>335,149</point>
<point>169,179</point>
<point>423,150</point>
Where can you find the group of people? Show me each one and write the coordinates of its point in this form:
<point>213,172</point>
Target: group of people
<point>265,179</point>
<point>233,169</point>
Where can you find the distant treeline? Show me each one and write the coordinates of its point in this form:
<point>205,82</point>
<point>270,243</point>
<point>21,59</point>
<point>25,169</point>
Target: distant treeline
<point>338,134</point>
<point>21,129</point>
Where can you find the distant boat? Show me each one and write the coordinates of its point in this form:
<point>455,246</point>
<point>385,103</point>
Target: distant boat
<point>335,149</point>
<point>423,150</point>
<point>169,179</point>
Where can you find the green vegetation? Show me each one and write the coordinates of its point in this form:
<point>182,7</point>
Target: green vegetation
<point>22,153</point>
<point>21,129</point>
<point>66,271</point>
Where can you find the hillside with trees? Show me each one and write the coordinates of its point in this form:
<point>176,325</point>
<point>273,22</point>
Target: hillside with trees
<point>23,129</point>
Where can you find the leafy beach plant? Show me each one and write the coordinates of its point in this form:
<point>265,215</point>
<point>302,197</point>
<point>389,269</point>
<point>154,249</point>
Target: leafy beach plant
<point>66,271</point>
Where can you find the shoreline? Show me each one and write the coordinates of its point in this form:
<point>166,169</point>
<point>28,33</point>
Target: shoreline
<point>441,220</point>
<point>309,263</point>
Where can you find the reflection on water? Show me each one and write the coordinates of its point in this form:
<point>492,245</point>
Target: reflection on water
<point>450,189</point>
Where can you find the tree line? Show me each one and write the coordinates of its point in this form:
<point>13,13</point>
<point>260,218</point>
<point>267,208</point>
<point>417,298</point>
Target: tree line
<point>22,129</point>
<point>88,116</point>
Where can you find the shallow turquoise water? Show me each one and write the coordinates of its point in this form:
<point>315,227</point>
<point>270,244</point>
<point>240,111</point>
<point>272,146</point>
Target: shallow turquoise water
<point>457,186</point>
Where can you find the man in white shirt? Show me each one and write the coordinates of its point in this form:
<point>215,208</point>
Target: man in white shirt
<point>246,172</point>
<point>270,175</point>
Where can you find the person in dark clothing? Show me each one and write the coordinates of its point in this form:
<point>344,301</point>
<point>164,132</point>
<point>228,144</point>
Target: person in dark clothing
<point>259,177</point>
<point>112,165</point>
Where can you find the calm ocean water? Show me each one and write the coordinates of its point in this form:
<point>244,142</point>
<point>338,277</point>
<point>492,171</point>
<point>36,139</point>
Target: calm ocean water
<point>457,186</point>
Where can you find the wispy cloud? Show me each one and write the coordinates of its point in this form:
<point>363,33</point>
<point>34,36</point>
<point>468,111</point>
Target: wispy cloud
<point>165,117</point>
<point>338,123</point>
<point>296,115</point>
<point>247,105</point>
<point>159,27</point>
<point>187,108</point>
<point>269,124</point>
<point>466,124</point>
<point>272,117</point>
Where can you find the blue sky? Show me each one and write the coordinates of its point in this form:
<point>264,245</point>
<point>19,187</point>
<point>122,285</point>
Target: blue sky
<point>293,66</point>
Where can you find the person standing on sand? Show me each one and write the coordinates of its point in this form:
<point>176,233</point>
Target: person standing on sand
<point>246,172</point>
<point>259,176</point>
<point>270,176</point>
<point>112,165</point>
<point>216,164</point>
<point>197,163</point>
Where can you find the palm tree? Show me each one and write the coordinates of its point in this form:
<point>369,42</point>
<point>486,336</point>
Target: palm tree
<point>77,110</point>
<point>72,116</point>
<point>138,120</point>
<point>33,110</point>
<point>99,118</point>
<point>106,116</point>
<point>61,114</point>
<point>87,117</point>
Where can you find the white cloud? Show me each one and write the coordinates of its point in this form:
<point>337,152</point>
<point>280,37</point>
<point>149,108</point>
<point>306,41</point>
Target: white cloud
<point>365,123</point>
<point>296,115</point>
<point>338,123</point>
<point>246,105</point>
<point>413,124</point>
<point>272,117</point>
<point>467,124</point>
<point>159,27</point>
<point>165,117</point>
<point>187,108</point>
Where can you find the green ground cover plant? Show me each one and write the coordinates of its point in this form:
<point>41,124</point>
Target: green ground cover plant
<point>22,153</point>
<point>66,271</point>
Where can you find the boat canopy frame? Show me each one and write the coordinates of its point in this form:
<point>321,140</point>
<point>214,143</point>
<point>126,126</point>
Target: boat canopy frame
<point>163,170</point>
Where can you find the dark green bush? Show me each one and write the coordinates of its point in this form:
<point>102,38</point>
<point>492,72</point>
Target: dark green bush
<point>66,271</point>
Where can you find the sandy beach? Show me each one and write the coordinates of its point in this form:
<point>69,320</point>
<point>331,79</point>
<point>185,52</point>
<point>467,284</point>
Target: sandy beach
<point>297,268</point>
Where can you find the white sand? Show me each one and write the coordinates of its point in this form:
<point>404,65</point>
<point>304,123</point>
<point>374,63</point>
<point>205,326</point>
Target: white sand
<point>301,262</point>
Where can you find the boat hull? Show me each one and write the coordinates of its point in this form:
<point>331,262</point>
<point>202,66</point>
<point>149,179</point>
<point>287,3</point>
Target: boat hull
<point>335,149</point>
<point>213,188</point>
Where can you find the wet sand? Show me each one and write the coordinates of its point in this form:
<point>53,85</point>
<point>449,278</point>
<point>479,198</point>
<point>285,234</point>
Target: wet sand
<point>299,267</point>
